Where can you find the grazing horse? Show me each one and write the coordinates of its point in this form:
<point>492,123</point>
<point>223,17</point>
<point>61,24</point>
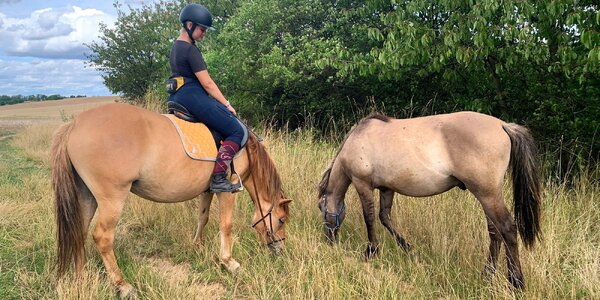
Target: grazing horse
<point>109,151</point>
<point>430,155</point>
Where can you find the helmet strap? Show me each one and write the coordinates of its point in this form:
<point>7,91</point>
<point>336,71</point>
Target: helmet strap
<point>190,31</point>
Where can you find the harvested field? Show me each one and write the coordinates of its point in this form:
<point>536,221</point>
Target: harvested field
<point>22,114</point>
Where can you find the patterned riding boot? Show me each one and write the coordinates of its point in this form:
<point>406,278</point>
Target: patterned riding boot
<point>219,182</point>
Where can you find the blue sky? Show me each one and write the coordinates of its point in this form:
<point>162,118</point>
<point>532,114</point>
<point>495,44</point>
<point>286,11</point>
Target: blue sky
<point>42,47</point>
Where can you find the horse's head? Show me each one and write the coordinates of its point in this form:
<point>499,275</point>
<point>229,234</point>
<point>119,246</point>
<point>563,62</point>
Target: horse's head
<point>270,222</point>
<point>266,190</point>
<point>333,216</point>
<point>332,208</point>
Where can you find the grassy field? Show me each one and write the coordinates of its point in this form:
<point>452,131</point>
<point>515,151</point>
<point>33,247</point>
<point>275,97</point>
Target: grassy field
<point>155,250</point>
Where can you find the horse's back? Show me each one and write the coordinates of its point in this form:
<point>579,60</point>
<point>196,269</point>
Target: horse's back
<point>105,136</point>
<point>123,146</point>
<point>442,151</point>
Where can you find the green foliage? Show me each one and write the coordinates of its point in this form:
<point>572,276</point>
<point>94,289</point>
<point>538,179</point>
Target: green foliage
<point>274,58</point>
<point>133,55</point>
<point>531,62</point>
<point>328,63</point>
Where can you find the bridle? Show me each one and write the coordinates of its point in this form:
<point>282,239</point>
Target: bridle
<point>332,227</point>
<point>263,217</point>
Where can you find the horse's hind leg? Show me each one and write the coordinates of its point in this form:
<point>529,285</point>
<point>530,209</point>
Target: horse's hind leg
<point>500,221</point>
<point>203,212</point>
<point>386,198</point>
<point>495,243</point>
<point>88,208</point>
<point>365,192</point>
<point>109,213</point>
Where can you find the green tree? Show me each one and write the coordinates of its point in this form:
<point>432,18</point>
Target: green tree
<point>532,62</point>
<point>132,55</point>
<point>535,62</point>
<point>275,56</point>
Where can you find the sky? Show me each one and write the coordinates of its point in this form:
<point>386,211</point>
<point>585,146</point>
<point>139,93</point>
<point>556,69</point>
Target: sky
<point>42,45</point>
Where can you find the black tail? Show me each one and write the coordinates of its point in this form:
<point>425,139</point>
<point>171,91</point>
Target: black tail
<point>526,183</point>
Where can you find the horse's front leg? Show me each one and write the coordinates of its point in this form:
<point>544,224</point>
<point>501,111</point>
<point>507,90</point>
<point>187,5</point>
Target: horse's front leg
<point>365,192</point>
<point>203,210</point>
<point>226,205</point>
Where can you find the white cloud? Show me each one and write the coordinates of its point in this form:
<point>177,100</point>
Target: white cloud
<point>52,32</point>
<point>43,53</point>
<point>44,76</point>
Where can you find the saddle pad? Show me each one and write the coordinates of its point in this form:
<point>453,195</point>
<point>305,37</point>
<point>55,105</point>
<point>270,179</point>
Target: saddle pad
<point>196,138</point>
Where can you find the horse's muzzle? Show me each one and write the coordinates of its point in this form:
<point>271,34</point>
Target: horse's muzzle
<point>276,247</point>
<point>331,235</point>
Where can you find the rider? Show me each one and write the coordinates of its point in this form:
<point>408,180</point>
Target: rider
<point>201,95</point>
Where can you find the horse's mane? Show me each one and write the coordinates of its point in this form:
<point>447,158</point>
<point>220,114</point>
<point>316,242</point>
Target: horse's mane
<point>358,126</point>
<point>263,168</point>
<point>375,115</point>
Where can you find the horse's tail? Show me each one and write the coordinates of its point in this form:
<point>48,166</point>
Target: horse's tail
<point>526,183</point>
<point>69,233</point>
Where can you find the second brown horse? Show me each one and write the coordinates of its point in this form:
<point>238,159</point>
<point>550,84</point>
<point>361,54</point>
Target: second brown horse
<point>429,155</point>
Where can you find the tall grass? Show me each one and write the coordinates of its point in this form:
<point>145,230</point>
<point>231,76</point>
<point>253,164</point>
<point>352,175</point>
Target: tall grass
<point>154,241</point>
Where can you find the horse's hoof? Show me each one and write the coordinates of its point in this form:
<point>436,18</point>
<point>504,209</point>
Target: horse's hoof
<point>404,245</point>
<point>488,271</point>
<point>517,283</point>
<point>126,291</point>
<point>371,251</point>
<point>197,241</point>
<point>231,265</point>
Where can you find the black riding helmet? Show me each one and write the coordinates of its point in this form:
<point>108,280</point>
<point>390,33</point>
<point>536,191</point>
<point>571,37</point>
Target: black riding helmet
<point>197,14</point>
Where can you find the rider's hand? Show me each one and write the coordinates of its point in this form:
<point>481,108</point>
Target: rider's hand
<point>231,109</point>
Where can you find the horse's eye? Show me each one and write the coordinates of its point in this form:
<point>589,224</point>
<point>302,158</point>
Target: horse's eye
<point>281,221</point>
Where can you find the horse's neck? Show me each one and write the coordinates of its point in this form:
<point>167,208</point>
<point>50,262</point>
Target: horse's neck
<point>338,180</point>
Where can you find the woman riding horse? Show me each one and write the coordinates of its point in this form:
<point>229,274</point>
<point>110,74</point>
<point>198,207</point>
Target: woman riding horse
<point>201,95</point>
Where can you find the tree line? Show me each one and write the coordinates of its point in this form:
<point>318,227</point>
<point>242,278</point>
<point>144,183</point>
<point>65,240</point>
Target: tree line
<point>327,63</point>
<point>15,99</point>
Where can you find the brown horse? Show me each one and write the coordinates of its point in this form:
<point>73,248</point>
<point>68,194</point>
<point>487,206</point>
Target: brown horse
<point>109,151</point>
<point>427,156</point>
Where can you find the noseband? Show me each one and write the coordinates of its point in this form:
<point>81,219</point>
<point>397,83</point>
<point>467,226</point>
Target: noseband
<point>332,227</point>
<point>270,232</point>
<point>263,219</point>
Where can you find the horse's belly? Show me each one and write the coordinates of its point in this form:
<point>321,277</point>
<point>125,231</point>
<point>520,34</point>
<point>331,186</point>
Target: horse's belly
<point>418,185</point>
<point>165,192</point>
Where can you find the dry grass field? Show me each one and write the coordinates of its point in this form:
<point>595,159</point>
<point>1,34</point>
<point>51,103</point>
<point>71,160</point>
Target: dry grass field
<point>155,250</point>
<point>48,111</point>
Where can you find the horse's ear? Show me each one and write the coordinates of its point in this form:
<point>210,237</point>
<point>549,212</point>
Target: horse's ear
<point>285,202</point>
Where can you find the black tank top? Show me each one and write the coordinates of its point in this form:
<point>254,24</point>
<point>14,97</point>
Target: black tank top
<point>186,59</point>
